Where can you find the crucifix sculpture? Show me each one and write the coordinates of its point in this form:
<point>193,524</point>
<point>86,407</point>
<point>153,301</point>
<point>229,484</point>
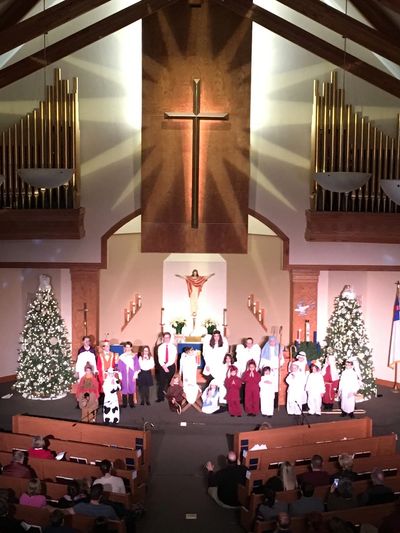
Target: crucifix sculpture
<point>196,117</point>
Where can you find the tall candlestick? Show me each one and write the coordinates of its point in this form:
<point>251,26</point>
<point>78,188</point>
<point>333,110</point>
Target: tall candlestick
<point>139,301</point>
<point>255,306</point>
<point>308,330</point>
<point>298,335</point>
<point>250,301</point>
<point>133,308</point>
<point>260,315</point>
<point>162,315</point>
<point>127,316</point>
<point>224,318</point>
<point>315,337</point>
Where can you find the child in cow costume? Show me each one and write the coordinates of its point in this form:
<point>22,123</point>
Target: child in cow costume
<point>111,386</point>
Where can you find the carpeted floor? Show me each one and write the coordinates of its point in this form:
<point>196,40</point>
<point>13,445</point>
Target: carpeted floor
<point>177,501</point>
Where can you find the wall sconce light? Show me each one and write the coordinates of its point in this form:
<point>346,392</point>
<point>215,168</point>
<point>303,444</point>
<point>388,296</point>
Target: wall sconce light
<point>342,181</point>
<point>392,189</point>
<point>46,178</point>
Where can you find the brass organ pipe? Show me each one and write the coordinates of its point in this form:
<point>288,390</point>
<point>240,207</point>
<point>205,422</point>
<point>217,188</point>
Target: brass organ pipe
<point>15,173</point>
<point>379,173</point>
<point>315,143</point>
<point>341,130</point>
<point>361,162</point>
<point>333,126</point>
<point>24,186</point>
<point>28,154</point>
<point>348,135</point>
<point>3,170</point>
<point>384,198</point>
<point>373,167</point>
<point>397,171</point>
<point>324,128</point>
<point>35,127</point>
<point>42,135</point>
<point>391,159</point>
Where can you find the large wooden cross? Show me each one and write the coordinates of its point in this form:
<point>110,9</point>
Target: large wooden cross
<point>196,117</point>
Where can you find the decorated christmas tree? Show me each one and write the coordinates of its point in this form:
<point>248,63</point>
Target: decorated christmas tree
<point>346,337</point>
<point>44,366</point>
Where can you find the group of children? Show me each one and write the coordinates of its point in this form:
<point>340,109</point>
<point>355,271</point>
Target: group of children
<point>102,377</point>
<point>105,376</point>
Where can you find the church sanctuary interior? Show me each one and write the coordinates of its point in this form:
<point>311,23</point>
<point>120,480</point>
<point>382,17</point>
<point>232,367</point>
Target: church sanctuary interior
<point>187,166</point>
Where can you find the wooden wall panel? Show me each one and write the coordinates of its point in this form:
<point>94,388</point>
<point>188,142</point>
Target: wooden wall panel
<point>181,43</point>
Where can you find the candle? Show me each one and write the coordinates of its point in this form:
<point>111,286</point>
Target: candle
<point>127,315</point>
<point>224,319</point>
<point>250,301</point>
<point>298,335</point>
<point>133,308</point>
<point>260,315</point>
<point>255,305</point>
<point>139,301</point>
<point>315,337</point>
<point>308,331</point>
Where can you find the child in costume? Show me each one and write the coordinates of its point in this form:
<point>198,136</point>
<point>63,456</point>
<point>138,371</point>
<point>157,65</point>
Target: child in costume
<point>210,397</point>
<point>296,381</point>
<point>145,377</point>
<point>267,391</point>
<point>128,366</point>
<point>315,388</point>
<point>111,386</point>
<point>233,384</point>
<point>87,395</point>
<point>349,385</point>
<point>175,394</point>
<point>251,379</point>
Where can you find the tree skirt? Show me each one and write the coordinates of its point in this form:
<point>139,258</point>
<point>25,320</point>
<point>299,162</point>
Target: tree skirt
<point>27,397</point>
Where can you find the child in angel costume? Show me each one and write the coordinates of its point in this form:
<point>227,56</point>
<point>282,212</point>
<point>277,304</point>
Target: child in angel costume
<point>349,385</point>
<point>267,391</point>
<point>315,388</point>
<point>296,381</point>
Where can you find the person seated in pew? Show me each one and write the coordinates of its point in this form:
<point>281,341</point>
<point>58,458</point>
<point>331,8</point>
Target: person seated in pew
<point>315,523</point>
<point>288,475</point>
<point>34,496</point>
<point>57,523</point>
<point>345,461</point>
<point>39,449</point>
<point>73,496</point>
<point>341,495</point>
<point>282,523</point>
<point>378,492</point>
<point>95,506</point>
<point>307,502</point>
<point>316,475</point>
<point>222,485</point>
<point>271,507</point>
<point>110,483</point>
<point>18,468</point>
<point>8,523</point>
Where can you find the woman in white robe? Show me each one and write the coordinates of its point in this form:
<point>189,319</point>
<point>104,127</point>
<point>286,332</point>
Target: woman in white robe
<point>215,347</point>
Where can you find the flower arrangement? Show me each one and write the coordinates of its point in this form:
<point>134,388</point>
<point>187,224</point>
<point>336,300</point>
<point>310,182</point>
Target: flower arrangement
<point>178,324</point>
<point>210,324</point>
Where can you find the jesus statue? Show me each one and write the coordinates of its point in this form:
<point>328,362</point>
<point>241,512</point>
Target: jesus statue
<point>194,286</point>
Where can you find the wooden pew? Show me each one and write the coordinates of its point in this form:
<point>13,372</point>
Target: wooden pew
<point>54,491</point>
<point>261,459</point>
<point>248,515</point>
<point>46,469</point>
<point>114,436</point>
<point>362,465</point>
<point>373,514</point>
<point>288,436</point>
<point>122,457</point>
<point>40,517</point>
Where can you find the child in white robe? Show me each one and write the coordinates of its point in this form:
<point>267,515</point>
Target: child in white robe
<point>315,388</point>
<point>349,385</point>
<point>296,381</point>
<point>267,392</point>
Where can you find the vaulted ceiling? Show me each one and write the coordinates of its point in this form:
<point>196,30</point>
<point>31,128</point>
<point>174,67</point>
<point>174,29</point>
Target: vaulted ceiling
<point>380,37</point>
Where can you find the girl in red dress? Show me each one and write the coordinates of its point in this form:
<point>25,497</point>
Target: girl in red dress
<point>233,384</point>
<point>251,379</point>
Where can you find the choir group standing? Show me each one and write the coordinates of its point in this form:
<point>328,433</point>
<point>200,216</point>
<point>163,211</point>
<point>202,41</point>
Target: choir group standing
<point>254,369</point>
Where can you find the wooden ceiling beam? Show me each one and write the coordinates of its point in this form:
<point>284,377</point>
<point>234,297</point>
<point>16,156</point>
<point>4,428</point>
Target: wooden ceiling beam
<point>44,21</point>
<point>394,5</point>
<point>378,18</point>
<point>346,26</point>
<point>15,12</point>
<point>80,39</point>
<point>315,45</point>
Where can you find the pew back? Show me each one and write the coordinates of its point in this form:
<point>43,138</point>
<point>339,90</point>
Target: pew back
<point>262,459</point>
<point>289,436</point>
